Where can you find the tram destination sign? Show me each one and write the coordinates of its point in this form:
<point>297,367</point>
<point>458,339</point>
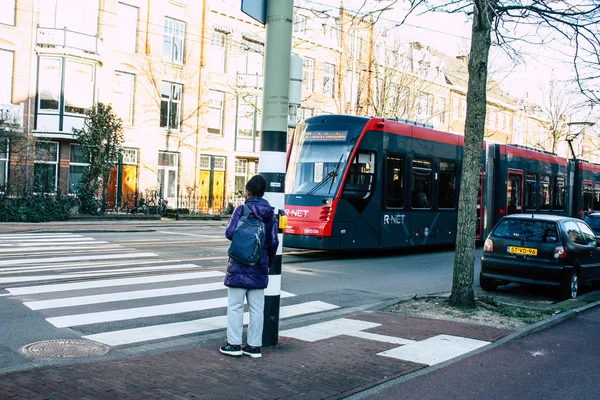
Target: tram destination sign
<point>328,135</point>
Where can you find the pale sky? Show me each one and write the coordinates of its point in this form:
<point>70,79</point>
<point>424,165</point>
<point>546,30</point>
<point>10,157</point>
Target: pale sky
<point>450,33</point>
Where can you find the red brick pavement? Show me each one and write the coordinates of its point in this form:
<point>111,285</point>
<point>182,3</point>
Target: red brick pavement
<point>326,369</point>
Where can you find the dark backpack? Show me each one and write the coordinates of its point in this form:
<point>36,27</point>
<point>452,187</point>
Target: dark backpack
<point>248,238</point>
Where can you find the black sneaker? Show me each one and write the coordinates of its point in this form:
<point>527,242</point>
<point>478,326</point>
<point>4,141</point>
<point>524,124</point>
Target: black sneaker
<point>253,352</point>
<point>231,349</point>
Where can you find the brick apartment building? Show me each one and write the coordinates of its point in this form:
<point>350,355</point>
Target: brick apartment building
<point>186,77</point>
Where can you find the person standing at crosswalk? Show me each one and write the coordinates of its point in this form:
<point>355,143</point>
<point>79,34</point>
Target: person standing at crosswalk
<point>249,282</point>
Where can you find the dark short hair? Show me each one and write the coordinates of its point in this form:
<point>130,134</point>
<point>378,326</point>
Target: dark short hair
<point>256,186</point>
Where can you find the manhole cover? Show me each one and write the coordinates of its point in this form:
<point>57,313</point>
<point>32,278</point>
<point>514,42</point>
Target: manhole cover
<point>65,348</point>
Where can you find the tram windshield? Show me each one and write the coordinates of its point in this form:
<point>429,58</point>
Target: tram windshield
<point>318,160</point>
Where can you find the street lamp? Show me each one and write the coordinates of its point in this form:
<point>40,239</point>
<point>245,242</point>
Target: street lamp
<point>570,137</point>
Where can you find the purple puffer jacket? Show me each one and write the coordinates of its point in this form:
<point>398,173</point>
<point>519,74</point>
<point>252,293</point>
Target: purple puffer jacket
<point>256,276</point>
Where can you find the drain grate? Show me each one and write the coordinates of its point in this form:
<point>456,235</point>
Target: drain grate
<point>65,348</point>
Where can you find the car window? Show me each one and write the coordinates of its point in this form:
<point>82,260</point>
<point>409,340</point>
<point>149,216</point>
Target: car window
<point>575,234</point>
<point>540,231</point>
<point>588,234</point>
<point>593,222</point>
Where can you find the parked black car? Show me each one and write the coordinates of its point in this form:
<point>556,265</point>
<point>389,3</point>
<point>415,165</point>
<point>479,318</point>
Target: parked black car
<point>593,220</point>
<point>541,249</point>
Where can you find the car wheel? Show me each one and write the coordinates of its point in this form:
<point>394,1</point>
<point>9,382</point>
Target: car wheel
<point>569,286</point>
<point>487,284</point>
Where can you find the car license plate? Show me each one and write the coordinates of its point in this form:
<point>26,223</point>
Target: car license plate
<point>526,251</point>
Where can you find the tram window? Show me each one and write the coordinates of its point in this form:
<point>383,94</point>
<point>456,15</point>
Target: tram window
<point>545,192</point>
<point>359,183</point>
<point>596,196</point>
<point>559,193</point>
<point>531,192</point>
<point>514,193</point>
<point>394,195</point>
<point>447,185</point>
<point>587,196</point>
<point>421,190</point>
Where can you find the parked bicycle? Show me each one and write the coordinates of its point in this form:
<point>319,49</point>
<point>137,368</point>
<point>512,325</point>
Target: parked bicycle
<point>152,203</point>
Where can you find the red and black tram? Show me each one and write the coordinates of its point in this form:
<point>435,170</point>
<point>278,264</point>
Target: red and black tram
<point>357,183</point>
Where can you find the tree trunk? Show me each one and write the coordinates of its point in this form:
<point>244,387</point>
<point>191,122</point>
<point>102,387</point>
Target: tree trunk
<point>464,260</point>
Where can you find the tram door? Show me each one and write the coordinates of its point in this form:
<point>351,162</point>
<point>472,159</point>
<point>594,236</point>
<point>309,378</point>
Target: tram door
<point>514,192</point>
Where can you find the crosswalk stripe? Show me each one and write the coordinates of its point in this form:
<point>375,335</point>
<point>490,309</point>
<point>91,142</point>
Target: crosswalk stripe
<point>19,236</point>
<point>75,258</point>
<point>63,287</point>
<point>123,296</point>
<point>136,335</point>
<point>58,247</point>
<point>94,269</point>
<point>141,312</point>
<point>56,240</point>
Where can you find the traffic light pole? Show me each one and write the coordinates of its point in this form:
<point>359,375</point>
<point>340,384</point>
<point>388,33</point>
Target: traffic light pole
<point>273,145</point>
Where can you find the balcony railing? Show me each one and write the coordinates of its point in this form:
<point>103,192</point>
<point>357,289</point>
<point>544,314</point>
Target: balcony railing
<point>55,37</point>
<point>254,81</point>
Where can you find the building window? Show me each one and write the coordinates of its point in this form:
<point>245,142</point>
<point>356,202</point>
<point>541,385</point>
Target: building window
<point>441,106</point>
<point>218,57</point>
<point>7,12</point>
<point>78,85</point>
<point>241,176</point>
<point>303,113</point>
<point>3,163</point>
<point>216,102</point>
<point>45,169</point>
<point>6,74</point>
<point>247,120</point>
<point>123,96</point>
<point>205,162</point>
<point>77,166</point>
<point>170,106</point>
<point>308,74</point>
<point>167,173</point>
<point>299,23</point>
<point>329,80</point>
<point>424,107</point>
<point>173,40</point>
<point>127,22</point>
<point>49,84</point>
<point>251,53</point>
<point>459,107</point>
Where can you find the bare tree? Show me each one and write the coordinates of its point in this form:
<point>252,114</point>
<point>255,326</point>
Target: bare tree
<point>573,21</point>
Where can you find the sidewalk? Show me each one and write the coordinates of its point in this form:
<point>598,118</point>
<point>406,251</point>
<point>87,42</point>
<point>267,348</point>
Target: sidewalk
<point>103,225</point>
<point>333,367</point>
<point>328,360</point>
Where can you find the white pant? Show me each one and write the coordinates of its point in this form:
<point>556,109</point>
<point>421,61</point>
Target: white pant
<point>235,315</point>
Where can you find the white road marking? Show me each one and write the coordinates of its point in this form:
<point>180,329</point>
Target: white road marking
<point>123,296</point>
<point>328,329</point>
<point>75,258</point>
<point>58,247</point>
<point>19,236</point>
<point>434,350</point>
<point>140,312</point>
<point>62,287</point>
<point>56,240</point>
<point>193,234</point>
<point>136,335</point>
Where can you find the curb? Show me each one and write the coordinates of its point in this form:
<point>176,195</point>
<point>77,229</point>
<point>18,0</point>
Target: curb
<point>515,335</point>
